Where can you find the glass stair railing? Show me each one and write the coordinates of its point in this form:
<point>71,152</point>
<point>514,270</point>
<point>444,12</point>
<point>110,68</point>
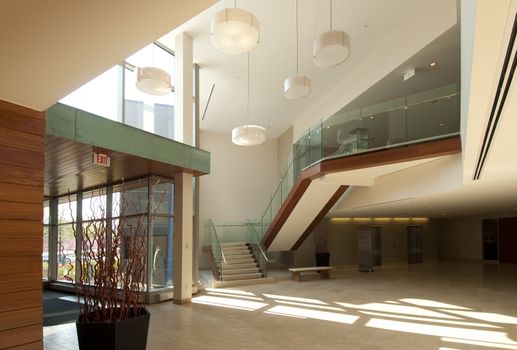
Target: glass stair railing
<point>423,116</point>
<point>237,233</point>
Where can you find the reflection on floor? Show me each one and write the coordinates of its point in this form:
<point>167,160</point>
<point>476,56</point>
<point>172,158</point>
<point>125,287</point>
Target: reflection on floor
<point>431,306</point>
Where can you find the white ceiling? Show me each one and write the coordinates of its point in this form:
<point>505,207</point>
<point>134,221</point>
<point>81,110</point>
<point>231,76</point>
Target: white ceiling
<point>368,22</point>
<point>445,187</point>
<point>51,48</point>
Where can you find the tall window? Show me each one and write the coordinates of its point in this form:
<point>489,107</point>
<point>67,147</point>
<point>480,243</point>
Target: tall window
<point>45,255</point>
<point>114,95</point>
<point>66,219</point>
<point>101,96</point>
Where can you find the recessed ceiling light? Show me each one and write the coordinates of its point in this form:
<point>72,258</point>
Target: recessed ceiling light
<point>442,124</point>
<point>372,117</point>
<point>433,64</point>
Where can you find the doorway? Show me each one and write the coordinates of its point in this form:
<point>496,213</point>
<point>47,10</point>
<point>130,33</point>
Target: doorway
<point>377,246</point>
<point>490,240</point>
<point>415,244</point>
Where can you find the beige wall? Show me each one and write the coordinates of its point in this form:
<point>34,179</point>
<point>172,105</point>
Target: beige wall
<point>343,243</point>
<point>460,239</point>
<point>285,150</point>
<point>240,182</point>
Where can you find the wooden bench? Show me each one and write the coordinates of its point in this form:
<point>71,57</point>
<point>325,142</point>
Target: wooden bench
<point>323,270</point>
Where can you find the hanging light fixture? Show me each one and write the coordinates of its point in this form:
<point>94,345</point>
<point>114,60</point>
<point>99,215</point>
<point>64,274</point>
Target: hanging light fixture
<point>248,135</point>
<point>297,86</point>
<point>234,31</point>
<point>153,81</point>
<point>332,47</point>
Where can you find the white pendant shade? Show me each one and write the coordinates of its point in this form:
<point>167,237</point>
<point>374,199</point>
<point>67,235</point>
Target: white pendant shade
<point>248,135</point>
<point>297,87</point>
<point>331,48</point>
<point>153,81</point>
<point>234,31</point>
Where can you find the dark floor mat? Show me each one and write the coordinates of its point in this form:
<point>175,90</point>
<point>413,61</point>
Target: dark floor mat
<point>57,311</point>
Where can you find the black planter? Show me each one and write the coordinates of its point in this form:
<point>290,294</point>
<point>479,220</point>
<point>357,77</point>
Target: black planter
<point>130,334</point>
<point>322,259</point>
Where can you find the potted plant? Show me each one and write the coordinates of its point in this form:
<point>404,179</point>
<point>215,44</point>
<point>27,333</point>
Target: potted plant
<point>112,265</point>
<point>321,242</point>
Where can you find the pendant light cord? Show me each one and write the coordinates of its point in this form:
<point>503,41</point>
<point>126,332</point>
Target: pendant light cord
<point>297,43</point>
<point>330,14</point>
<point>248,88</point>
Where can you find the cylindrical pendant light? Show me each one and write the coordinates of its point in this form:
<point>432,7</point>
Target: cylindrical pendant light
<point>248,135</point>
<point>153,81</point>
<point>234,31</point>
<point>297,86</point>
<point>332,47</point>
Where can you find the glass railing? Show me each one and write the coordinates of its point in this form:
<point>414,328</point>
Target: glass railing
<point>423,116</point>
<point>215,244</point>
<point>257,248</point>
<point>238,233</point>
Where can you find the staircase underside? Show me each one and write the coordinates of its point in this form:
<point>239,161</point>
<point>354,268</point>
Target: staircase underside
<point>318,188</point>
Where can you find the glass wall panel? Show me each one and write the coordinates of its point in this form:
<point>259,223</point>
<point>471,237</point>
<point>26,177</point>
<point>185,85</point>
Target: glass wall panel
<point>161,259</point>
<point>130,198</point>
<point>94,205</point>
<point>102,96</point>
<point>163,197</point>
<point>66,253</point>
<point>66,210</point>
<point>154,114</point>
<point>44,255</point>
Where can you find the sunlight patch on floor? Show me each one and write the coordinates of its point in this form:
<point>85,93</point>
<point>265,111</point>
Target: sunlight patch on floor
<point>230,291</point>
<point>490,337</point>
<point>413,318</point>
<point>490,345</point>
<point>486,316</point>
<point>229,302</point>
<point>398,309</point>
<point>314,314</point>
<point>301,300</point>
<point>432,303</point>
<point>323,307</point>
<point>234,296</point>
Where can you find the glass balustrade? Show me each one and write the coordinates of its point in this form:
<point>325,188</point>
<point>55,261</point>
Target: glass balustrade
<point>420,117</point>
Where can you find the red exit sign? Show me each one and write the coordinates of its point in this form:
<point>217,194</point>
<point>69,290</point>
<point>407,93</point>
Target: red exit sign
<point>101,159</point>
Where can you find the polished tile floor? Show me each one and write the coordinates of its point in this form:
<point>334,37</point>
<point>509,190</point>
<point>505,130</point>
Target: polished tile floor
<point>442,306</point>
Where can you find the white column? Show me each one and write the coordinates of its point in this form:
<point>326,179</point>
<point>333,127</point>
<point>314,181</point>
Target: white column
<point>183,84</point>
<point>182,238</point>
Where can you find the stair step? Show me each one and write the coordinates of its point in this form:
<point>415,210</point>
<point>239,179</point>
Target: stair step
<point>225,267</point>
<point>243,276</point>
<point>240,261</point>
<point>240,271</point>
<point>238,256</point>
<point>235,252</point>
<point>231,249</point>
<point>238,244</point>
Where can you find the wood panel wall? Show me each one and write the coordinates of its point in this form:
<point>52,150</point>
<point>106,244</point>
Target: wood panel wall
<point>22,160</point>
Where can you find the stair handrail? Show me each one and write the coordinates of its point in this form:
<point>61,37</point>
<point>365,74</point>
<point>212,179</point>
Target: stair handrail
<point>218,243</point>
<point>259,240</point>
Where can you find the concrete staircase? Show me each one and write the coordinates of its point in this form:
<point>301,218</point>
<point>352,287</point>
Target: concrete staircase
<point>240,264</point>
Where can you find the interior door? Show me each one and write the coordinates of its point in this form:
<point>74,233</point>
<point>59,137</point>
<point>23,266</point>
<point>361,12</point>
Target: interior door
<point>508,240</point>
<point>490,240</point>
<point>415,244</point>
<point>377,247</point>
